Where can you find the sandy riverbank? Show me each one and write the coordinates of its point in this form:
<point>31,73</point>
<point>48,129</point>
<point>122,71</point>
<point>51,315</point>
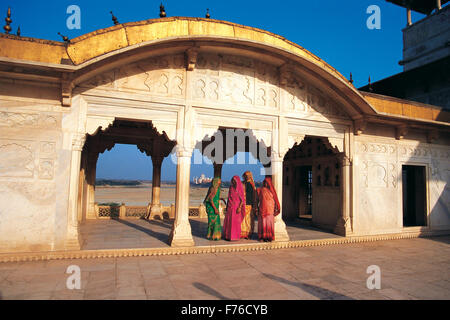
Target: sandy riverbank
<point>142,195</point>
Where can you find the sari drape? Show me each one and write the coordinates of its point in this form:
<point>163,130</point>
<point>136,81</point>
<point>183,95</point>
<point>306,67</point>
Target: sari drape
<point>269,207</point>
<point>214,228</point>
<point>234,212</point>
<point>250,205</point>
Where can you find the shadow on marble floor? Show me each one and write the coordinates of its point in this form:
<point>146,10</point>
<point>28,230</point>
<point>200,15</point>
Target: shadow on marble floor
<point>141,233</point>
<point>210,291</point>
<point>319,292</point>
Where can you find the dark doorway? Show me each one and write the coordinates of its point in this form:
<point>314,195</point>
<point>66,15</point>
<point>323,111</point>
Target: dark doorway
<point>414,196</point>
<point>304,179</point>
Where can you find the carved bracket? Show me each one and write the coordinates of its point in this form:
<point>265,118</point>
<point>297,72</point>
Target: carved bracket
<point>191,58</point>
<point>66,90</point>
<point>360,126</point>
<point>432,135</point>
<point>285,74</point>
<point>400,132</point>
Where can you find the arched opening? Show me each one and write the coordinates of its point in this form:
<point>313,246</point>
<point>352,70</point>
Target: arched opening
<point>125,211</point>
<point>312,184</point>
<point>228,152</point>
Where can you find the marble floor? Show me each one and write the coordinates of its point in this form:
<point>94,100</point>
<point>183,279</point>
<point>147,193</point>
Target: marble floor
<point>409,269</point>
<point>139,233</point>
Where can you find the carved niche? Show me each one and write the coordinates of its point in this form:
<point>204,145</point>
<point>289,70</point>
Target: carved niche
<point>376,174</point>
<point>16,160</point>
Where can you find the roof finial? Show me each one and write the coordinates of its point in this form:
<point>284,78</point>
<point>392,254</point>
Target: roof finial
<point>66,39</point>
<point>207,14</point>
<point>18,31</point>
<point>8,20</point>
<point>351,78</point>
<point>370,85</point>
<point>162,11</point>
<point>114,19</point>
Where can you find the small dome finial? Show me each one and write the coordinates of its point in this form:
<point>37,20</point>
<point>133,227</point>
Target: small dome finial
<point>162,11</point>
<point>370,85</point>
<point>114,19</point>
<point>66,39</point>
<point>351,78</point>
<point>18,31</point>
<point>8,21</point>
<point>207,14</point>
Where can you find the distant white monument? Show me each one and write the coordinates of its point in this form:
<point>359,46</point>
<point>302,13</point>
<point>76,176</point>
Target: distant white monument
<point>202,179</point>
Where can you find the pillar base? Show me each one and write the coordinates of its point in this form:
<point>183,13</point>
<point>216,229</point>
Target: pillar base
<point>281,234</point>
<point>73,244</point>
<point>155,212</point>
<point>181,235</point>
<point>343,228</point>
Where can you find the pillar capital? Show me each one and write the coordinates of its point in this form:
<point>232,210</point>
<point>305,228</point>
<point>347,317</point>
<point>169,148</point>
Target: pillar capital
<point>183,152</point>
<point>157,159</point>
<point>277,156</point>
<point>78,140</point>
<point>345,161</point>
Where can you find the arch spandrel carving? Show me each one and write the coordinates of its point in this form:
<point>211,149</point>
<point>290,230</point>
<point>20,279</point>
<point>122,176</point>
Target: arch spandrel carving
<point>96,123</point>
<point>167,128</point>
<point>294,140</point>
<point>231,81</point>
<point>336,143</point>
<point>159,76</point>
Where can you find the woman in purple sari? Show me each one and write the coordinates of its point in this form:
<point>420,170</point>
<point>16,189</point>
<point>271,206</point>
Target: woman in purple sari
<point>235,210</point>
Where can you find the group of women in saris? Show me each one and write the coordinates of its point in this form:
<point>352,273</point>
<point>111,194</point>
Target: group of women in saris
<point>244,204</point>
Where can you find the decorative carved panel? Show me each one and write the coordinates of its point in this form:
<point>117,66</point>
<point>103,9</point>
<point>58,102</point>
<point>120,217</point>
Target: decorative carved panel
<point>38,120</point>
<point>303,97</point>
<point>164,75</point>
<point>41,193</point>
<point>46,169</point>
<point>47,148</point>
<point>17,160</point>
<point>376,148</point>
<point>375,174</point>
<point>378,176</point>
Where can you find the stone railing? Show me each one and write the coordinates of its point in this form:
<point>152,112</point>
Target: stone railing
<point>137,212</point>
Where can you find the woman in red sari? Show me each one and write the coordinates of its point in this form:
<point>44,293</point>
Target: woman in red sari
<point>268,208</point>
<point>235,210</point>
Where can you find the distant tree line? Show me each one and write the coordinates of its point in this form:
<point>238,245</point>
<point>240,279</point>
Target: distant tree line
<point>112,182</point>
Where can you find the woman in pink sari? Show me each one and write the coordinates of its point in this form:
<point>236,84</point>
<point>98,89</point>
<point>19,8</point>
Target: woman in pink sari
<point>235,210</point>
<point>269,207</point>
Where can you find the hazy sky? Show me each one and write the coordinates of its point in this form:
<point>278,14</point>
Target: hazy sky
<point>336,31</point>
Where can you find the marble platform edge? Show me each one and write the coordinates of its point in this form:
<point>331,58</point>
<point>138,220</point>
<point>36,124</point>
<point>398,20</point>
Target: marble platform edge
<point>141,252</point>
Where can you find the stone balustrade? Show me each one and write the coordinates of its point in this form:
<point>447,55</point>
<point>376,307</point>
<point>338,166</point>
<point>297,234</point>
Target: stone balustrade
<point>123,211</point>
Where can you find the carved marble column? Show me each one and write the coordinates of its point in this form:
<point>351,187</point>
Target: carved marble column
<point>181,234</point>
<point>82,186</point>
<point>72,237</point>
<point>277,179</point>
<point>343,226</point>
<point>91,174</point>
<point>155,208</point>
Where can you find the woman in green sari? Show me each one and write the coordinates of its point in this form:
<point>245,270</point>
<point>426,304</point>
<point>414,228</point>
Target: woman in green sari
<point>212,209</point>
